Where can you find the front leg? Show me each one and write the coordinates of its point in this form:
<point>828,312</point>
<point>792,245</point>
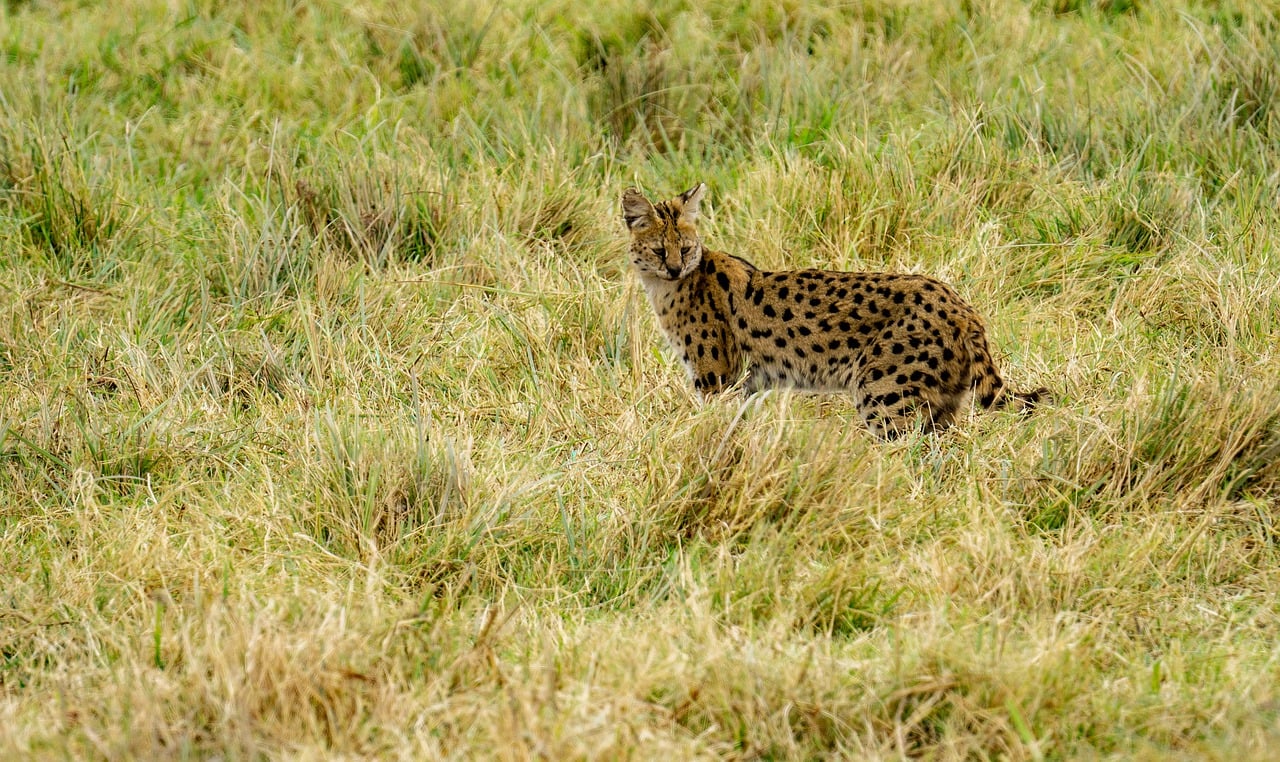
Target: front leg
<point>713,362</point>
<point>758,380</point>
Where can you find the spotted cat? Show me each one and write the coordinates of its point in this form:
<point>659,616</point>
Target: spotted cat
<point>903,345</point>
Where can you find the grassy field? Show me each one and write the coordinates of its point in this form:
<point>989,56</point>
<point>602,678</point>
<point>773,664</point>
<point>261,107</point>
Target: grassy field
<point>332,421</point>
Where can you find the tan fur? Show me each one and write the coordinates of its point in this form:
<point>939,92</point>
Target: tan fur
<point>901,344</point>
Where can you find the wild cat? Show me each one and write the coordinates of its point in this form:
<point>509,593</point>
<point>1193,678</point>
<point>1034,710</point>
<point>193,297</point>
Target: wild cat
<point>903,345</point>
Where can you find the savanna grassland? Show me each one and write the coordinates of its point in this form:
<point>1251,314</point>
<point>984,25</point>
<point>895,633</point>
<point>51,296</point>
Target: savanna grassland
<point>332,421</point>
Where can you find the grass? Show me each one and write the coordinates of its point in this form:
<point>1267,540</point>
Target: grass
<point>332,422</point>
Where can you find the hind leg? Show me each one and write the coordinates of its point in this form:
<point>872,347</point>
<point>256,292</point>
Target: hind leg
<point>898,400</point>
<point>940,414</point>
<point>888,410</point>
<point>890,414</point>
<point>908,375</point>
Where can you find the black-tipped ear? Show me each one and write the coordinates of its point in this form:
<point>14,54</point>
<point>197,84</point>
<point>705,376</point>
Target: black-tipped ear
<point>636,209</point>
<point>690,200</point>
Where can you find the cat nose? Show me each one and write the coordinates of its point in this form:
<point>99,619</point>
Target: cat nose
<point>673,270</point>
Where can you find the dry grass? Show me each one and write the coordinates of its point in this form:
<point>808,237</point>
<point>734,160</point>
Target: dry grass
<point>333,424</point>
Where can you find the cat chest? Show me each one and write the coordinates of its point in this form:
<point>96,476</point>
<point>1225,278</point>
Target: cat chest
<point>680,308</point>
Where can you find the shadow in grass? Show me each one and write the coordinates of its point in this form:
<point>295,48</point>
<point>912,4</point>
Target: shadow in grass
<point>377,218</point>
<point>75,222</point>
<point>1247,84</point>
<point>1103,9</point>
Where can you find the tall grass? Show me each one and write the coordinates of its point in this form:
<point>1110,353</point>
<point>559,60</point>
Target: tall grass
<point>332,422</point>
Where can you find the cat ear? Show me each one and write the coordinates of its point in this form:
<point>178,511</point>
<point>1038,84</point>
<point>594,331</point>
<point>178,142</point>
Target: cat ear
<point>636,209</point>
<point>690,199</point>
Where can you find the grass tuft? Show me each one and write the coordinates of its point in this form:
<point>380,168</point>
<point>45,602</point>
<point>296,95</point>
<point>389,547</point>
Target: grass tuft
<point>72,219</point>
<point>1189,443</point>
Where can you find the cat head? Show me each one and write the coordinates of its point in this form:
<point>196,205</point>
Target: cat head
<point>664,241</point>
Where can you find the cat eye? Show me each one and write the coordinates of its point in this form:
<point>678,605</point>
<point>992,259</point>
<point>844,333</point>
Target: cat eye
<point>684,250</point>
<point>659,252</point>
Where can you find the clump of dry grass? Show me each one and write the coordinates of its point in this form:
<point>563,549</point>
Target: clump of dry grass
<point>331,422</point>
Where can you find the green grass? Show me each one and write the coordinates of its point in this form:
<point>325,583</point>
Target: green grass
<point>332,422</point>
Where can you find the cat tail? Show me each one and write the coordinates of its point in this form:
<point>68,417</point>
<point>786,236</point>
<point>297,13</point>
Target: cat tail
<point>989,389</point>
